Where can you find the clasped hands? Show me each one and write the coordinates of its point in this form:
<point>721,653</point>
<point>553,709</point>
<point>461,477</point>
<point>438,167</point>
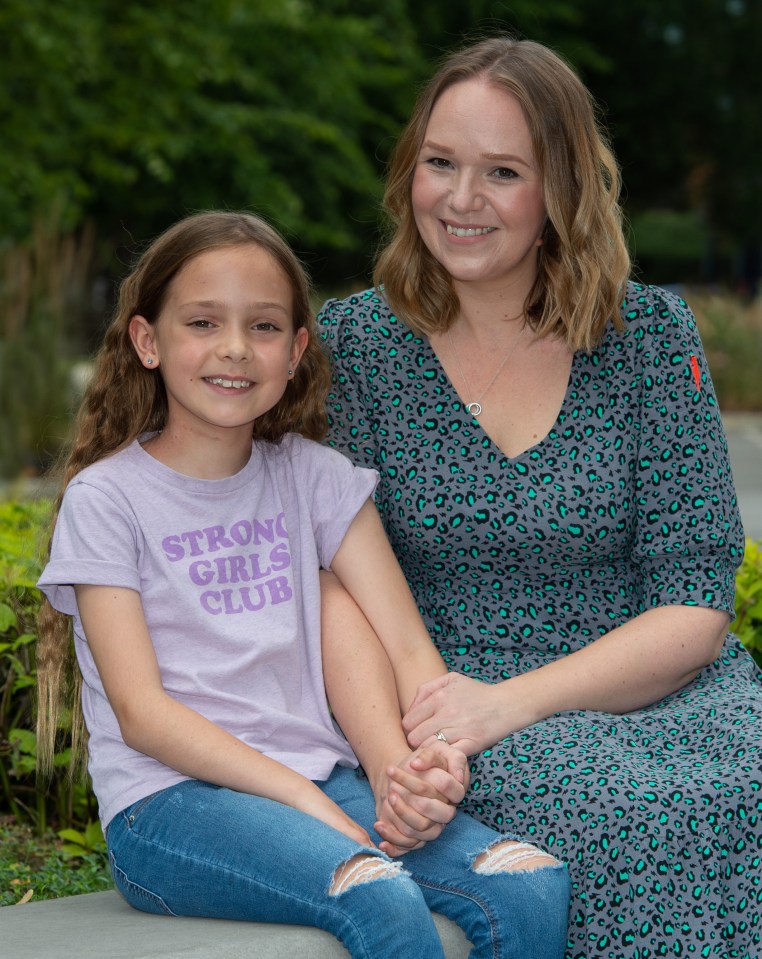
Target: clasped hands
<point>418,796</point>
<point>421,793</point>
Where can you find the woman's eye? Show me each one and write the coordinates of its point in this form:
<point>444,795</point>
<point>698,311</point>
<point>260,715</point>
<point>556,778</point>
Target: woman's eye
<point>504,173</point>
<point>439,163</point>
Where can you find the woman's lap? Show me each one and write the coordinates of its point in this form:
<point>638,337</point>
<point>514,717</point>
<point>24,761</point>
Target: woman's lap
<point>657,813</point>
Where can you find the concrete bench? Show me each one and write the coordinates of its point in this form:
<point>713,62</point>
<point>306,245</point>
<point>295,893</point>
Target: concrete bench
<point>101,925</point>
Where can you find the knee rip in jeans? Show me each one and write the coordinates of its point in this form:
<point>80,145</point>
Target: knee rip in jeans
<point>512,856</point>
<point>360,869</point>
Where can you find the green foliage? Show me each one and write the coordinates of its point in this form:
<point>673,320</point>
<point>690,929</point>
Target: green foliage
<point>133,114</point>
<point>748,621</point>
<point>36,867</point>
<point>22,527</point>
<point>78,844</point>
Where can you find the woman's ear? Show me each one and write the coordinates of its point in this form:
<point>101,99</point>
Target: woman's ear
<point>299,345</point>
<point>142,336</point>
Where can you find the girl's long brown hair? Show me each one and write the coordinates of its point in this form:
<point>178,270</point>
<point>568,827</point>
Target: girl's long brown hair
<point>125,400</point>
<point>583,261</point>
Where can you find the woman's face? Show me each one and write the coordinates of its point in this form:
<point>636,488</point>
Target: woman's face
<point>477,192</point>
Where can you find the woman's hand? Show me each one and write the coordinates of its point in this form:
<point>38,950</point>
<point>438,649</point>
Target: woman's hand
<point>418,796</point>
<point>471,714</point>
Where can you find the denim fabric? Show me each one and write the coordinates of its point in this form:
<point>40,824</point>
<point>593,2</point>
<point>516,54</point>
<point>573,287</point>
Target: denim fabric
<point>195,849</point>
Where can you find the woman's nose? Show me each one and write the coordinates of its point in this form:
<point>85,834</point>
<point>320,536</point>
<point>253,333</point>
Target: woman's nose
<point>465,195</point>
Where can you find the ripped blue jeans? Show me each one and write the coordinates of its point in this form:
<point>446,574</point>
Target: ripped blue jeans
<point>200,850</point>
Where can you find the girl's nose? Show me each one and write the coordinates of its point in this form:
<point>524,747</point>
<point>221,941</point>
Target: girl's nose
<point>233,346</point>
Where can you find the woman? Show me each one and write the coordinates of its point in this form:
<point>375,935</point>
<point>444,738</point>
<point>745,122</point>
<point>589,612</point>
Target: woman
<point>555,483</point>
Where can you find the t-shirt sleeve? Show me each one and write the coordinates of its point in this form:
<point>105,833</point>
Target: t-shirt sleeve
<point>94,543</point>
<point>352,426</point>
<point>337,490</point>
<point>688,539</point>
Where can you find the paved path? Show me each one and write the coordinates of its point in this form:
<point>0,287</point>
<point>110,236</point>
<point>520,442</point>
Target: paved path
<point>744,432</point>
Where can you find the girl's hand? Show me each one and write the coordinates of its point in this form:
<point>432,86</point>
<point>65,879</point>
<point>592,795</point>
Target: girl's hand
<point>470,713</point>
<point>314,802</point>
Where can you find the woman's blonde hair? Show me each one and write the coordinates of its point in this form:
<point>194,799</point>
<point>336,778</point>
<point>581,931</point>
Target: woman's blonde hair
<point>125,400</point>
<point>583,263</point>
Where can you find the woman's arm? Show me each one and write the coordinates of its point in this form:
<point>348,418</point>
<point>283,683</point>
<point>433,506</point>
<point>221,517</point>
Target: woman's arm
<point>154,723</point>
<point>635,665</point>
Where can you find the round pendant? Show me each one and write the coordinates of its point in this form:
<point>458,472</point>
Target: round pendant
<point>474,408</point>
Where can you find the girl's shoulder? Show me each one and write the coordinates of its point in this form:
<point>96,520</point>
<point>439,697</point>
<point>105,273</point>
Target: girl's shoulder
<point>113,469</point>
<point>306,458</point>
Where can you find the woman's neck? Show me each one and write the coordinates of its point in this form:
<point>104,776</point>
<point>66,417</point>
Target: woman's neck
<point>490,310</point>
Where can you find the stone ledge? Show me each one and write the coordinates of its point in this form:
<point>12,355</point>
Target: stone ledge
<point>101,924</point>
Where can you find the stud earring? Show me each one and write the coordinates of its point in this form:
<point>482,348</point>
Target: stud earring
<point>290,372</point>
<point>149,361</point>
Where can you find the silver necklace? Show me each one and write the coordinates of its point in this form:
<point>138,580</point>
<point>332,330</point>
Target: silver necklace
<point>474,407</point>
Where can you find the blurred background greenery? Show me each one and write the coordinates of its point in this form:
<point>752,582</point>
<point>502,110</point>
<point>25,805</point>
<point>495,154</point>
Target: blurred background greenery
<point>117,118</point>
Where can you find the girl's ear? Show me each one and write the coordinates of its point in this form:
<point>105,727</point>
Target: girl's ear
<point>299,345</point>
<point>142,336</point>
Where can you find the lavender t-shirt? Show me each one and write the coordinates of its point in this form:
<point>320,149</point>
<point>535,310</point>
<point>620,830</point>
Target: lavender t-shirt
<point>227,571</point>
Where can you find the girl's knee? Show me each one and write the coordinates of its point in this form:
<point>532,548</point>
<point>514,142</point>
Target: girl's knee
<point>512,855</point>
<point>361,869</point>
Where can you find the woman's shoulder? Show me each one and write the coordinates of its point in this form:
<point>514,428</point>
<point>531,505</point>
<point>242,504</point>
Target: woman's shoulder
<point>361,317</point>
<point>646,306</point>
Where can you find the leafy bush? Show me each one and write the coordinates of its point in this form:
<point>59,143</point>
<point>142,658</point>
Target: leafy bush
<point>748,621</point>
<point>732,334</point>
<point>66,803</point>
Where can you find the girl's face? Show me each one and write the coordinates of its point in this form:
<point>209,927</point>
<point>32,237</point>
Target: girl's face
<point>477,192</point>
<point>224,342</point>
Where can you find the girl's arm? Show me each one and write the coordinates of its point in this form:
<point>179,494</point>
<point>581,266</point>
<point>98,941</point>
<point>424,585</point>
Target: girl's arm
<point>368,681</point>
<point>634,665</point>
<point>154,723</point>
<point>360,685</point>
<point>366,566</point>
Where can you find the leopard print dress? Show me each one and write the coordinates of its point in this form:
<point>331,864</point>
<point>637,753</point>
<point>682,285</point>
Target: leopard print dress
<point>628,504</point>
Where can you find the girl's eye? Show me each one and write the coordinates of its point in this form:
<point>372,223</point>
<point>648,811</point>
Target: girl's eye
<point>201,323</point>
<point>504,173</point>
<point>265,326</point>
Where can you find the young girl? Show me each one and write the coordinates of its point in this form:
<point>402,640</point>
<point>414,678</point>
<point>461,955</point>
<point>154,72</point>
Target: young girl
<point>188,558</point>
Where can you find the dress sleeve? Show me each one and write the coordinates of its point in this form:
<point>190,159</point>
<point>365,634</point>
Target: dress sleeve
<point>688,539</point>
<point>352,424</point>
<point>94,543</point>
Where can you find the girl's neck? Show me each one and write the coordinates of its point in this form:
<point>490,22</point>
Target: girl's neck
<point>209,457</point>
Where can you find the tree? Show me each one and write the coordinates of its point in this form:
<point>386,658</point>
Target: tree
<point>134,114</point>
